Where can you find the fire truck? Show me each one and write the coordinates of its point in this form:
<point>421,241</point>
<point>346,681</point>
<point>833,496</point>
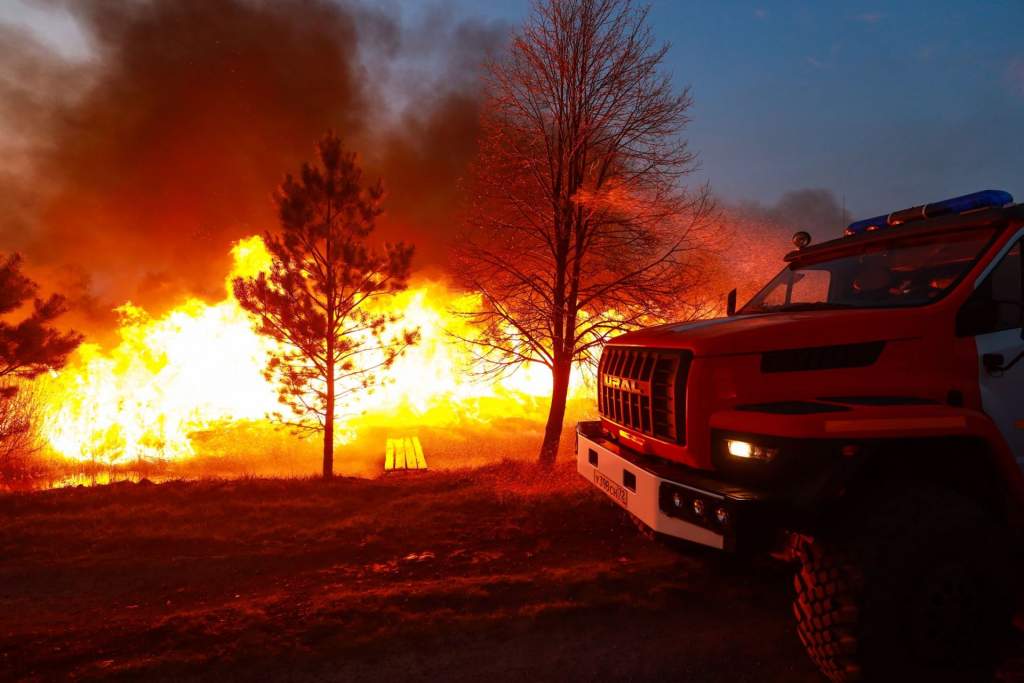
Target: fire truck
<point>862,414</point>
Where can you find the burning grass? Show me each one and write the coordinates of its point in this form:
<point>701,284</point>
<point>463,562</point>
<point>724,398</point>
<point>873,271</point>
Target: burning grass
<point>503,571</point>
<point>190,384</point>
<point>259,449</point>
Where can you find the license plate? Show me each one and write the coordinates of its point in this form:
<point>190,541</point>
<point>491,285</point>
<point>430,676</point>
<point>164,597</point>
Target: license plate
<point>614,491</point>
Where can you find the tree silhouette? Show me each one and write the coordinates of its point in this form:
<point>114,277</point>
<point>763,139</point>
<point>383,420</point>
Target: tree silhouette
<point>20,436</point>
<point>32,346</point>
<point>579,227</point>
<point>317,299</point>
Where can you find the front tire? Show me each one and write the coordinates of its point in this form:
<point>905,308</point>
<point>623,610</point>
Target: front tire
<point>914,584</point>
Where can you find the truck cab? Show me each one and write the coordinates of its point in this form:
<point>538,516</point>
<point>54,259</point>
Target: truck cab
<point>885,361</point>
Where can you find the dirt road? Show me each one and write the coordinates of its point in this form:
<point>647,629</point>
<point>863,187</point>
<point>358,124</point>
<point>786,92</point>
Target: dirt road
<point>489,574</point>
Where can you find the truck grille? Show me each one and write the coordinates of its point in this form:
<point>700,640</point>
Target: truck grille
<point>644,390</point>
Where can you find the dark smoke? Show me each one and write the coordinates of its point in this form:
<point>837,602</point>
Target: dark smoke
<point>755,238</point>
<point>426,152</point>
<point>815,210</point>
<point>138,170</point>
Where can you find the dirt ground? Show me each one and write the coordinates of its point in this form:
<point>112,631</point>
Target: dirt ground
<point>493,574</point>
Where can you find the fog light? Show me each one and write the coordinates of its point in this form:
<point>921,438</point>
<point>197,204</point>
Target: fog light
<point>750,451</point>
<point>677,499</point>
<point>722,515</point>
<point>741,449</point>
<point>698,507</point>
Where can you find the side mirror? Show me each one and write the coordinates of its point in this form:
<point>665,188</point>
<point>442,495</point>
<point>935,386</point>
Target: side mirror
<point>993,363</point>
<point>730,303</point>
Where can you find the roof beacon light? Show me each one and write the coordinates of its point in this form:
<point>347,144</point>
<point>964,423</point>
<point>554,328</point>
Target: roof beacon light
<point>801,239</point>
<point>968,202</point>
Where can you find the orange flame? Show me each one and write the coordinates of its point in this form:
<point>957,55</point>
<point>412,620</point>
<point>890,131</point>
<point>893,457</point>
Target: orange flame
<point>201,365</point>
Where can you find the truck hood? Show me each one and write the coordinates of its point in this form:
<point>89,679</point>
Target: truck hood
<point>755,333</point>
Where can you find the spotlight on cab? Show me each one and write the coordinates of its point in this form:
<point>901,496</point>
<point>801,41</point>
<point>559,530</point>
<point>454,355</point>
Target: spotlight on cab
<point>801,239</point>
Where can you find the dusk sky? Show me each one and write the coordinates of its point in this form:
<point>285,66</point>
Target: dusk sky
<point>886,104</point>
<point>890,104</point>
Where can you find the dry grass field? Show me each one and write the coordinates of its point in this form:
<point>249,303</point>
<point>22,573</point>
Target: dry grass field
<point>498,573</point>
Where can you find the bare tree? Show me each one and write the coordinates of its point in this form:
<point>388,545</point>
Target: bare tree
<point>19,429</point>
<point>316,300</point>
<point>580,227</point>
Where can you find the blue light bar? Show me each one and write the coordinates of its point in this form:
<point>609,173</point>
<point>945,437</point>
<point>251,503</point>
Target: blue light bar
<point>867,225</point>
<point>968,202</point>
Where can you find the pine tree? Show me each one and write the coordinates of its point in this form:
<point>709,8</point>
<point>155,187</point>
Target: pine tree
<point>32,346</point>
<point>316,301</point>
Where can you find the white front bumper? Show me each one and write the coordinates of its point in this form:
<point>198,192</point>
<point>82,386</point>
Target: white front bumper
<point>640,494</point>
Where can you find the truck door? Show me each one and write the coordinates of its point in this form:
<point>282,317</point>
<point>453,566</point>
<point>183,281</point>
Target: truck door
<point>994,316</point>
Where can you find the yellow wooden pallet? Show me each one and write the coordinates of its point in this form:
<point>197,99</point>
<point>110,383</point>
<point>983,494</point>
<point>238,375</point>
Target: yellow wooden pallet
<point>404,454</point>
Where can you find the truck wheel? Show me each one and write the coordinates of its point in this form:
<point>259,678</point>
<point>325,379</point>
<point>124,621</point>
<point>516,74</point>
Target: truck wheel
<point>914,585</point>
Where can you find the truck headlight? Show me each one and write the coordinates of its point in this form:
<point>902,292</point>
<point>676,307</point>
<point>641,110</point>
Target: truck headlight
<point>750,451</point>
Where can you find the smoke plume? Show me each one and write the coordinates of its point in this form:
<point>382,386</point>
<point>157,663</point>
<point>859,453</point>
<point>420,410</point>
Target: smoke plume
<point>128,176</point>
<point>815,210</point>
<point>757,236</point>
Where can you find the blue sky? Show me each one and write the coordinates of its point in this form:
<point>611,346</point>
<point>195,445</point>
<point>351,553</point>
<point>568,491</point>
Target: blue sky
<point>889,104</point>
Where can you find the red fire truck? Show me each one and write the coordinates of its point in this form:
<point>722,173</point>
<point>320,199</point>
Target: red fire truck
<point>864,412</point>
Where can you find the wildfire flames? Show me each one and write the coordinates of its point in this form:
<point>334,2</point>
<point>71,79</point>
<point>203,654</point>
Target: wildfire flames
<point>137,205</point>
<point>201,365</point>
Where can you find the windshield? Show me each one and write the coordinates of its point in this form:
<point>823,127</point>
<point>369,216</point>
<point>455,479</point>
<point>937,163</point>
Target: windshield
<point>908,272</point>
